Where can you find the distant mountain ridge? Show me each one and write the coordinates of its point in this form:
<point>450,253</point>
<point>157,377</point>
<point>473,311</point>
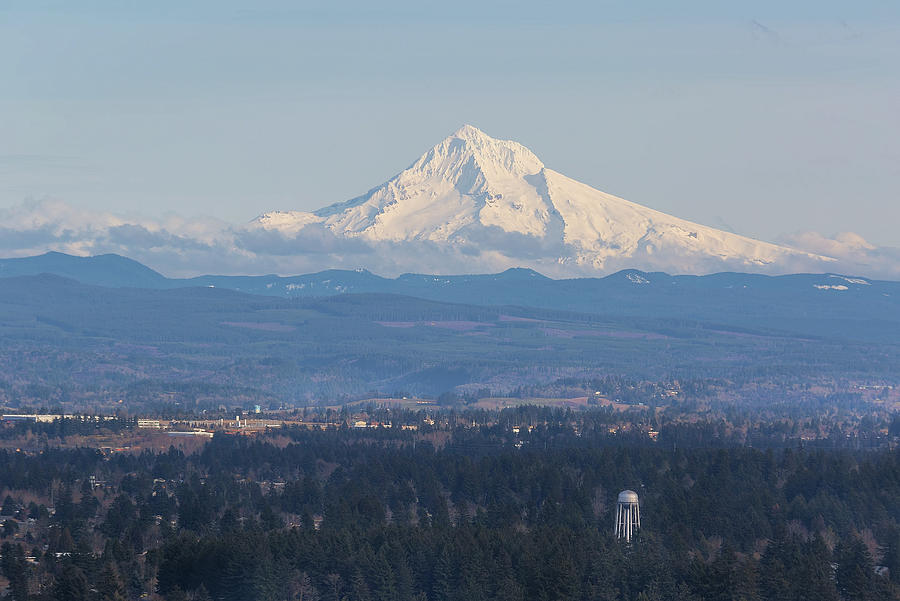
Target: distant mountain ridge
<point>102,270</point>
<point>489,202</point>
<point>805,303</point>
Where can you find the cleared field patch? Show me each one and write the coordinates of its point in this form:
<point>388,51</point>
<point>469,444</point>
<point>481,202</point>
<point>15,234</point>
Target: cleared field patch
<point>457,326</point>
<point>263,326</point>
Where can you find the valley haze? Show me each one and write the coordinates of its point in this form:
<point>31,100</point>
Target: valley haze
<point>91,330</point>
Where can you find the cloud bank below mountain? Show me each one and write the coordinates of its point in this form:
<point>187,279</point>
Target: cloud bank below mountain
<point>179,247</point>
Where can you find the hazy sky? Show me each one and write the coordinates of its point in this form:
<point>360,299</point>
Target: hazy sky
<point>765,117</point>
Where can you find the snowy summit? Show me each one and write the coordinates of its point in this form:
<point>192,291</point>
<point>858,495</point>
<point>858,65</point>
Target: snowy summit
<point>483,204</point>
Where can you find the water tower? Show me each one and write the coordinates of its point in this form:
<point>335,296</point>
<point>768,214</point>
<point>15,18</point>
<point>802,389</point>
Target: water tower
<point>628,515</point>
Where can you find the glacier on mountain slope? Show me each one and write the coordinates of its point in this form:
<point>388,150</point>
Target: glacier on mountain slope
<point>481,204</point>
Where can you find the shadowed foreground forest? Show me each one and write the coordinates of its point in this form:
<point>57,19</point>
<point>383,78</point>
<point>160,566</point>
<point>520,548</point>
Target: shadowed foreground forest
<point>382,515</point>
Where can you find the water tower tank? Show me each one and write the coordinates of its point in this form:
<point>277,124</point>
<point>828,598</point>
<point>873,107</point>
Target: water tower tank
<point>628,515</point>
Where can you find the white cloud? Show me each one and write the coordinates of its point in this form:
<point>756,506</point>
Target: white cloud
<point>35,227</point>
<point>178,246</point>
<point>854,254</point>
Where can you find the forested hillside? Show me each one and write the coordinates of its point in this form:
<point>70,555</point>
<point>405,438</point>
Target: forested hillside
<point>388,515</point>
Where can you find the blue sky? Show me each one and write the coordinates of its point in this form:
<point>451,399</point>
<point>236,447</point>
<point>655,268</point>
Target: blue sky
<point>765,118</point>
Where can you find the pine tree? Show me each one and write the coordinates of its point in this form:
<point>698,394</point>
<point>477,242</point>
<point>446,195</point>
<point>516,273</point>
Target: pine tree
<point>9,506</point>
<point>855,571</point>
<point>509,590</point>
<point>815,580</point>
<point>110,587</point>
<point>360,587</point>
<point>442,583</point>
<point>892,552</point>
<point>14,568</point>
<point>72,585</point>
<point>384,582</point>
<point>306,590</point>
<point>201,594</point>
<point>176,594</point>
<point>335,587</point>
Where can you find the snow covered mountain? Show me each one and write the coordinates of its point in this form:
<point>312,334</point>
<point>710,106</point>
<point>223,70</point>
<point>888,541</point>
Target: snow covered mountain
<point>481,204</point>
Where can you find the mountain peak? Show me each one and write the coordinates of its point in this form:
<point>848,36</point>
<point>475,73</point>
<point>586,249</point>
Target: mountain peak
<point>488,204</point>
<point>469,147</point>
<point>470,132</point>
